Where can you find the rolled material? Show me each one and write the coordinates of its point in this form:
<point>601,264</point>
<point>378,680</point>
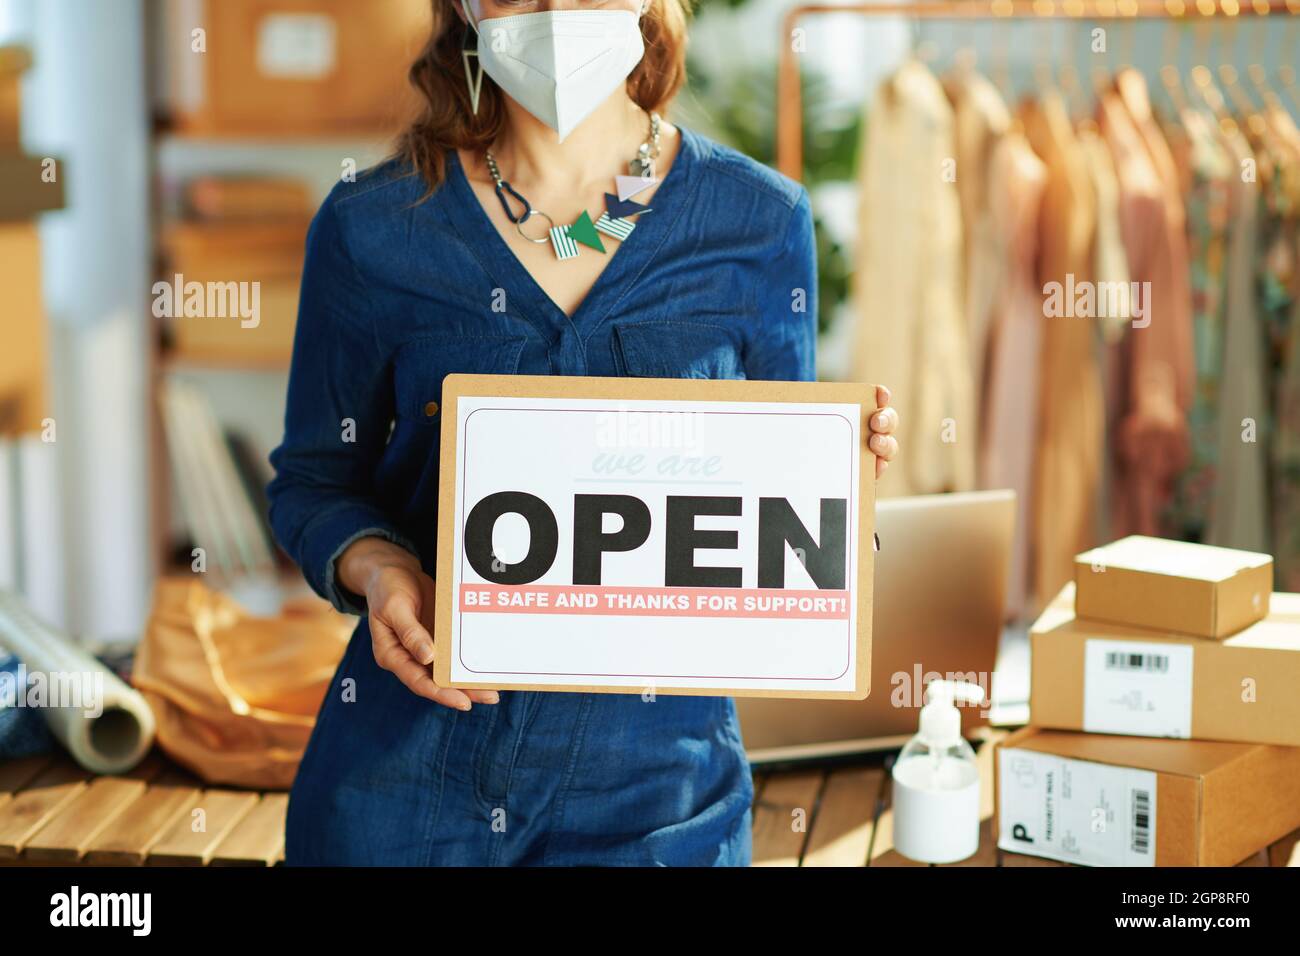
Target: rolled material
<point>106,726</point>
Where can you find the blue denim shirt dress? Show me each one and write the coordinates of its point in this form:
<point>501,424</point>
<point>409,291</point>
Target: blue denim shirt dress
<point>719,281</point>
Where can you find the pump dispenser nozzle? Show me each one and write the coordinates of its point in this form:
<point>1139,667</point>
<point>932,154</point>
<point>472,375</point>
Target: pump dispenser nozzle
<point>940,719</point>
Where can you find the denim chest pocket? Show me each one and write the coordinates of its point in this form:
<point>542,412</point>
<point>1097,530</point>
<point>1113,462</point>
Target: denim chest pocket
<point>676,349</point>
<point>420,366</point>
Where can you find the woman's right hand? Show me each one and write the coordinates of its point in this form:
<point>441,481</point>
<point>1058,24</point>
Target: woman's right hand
<point>399,597</point>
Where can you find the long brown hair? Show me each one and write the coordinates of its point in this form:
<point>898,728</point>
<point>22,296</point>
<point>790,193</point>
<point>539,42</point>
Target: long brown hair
<point>445,121</point>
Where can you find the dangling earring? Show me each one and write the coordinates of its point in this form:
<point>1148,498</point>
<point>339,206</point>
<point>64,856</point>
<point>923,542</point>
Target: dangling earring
<point>474,83</point>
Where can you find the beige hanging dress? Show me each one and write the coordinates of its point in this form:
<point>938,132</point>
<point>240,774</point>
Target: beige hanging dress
<point>1068,461</point>
<point>1009,414</point>
<point>910,333</point>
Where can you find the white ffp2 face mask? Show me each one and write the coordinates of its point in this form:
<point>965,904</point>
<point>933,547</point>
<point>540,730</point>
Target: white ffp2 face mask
<point>560,64</point>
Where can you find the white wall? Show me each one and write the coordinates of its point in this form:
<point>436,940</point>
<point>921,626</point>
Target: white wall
<point>84,102</point>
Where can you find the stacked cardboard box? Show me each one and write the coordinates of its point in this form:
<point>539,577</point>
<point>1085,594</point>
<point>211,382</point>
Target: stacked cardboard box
<point>260,262</point>
<point>28,185</point>
<point>318,68</point>
<point>13,61</point>
<point>1165,723</point>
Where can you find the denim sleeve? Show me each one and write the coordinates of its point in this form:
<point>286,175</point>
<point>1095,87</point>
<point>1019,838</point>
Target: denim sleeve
<point>337,419</point>
<point>785,342</point>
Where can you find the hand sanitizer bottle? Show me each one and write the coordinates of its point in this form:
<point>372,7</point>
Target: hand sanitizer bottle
<point>936,781</point>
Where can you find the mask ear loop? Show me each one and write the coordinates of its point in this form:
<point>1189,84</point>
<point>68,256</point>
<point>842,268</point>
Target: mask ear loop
<point>469,16</point>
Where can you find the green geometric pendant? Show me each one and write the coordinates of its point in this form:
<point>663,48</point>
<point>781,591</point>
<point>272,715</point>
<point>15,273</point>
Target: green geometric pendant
<point>583,230</point>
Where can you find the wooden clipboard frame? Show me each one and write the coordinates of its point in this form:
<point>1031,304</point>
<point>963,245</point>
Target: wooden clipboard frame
<point>457,386</point>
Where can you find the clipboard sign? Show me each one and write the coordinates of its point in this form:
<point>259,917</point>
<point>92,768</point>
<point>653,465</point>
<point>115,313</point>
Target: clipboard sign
<point>624,535</point>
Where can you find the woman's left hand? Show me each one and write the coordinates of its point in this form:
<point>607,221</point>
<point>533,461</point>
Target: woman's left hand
<point>882,423</point>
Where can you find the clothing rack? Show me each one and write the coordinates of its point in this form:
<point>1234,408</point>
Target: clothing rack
<point>789,100</point>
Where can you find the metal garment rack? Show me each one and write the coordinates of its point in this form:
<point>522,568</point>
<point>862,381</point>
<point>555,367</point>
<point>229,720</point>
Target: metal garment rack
<point>789,101</point>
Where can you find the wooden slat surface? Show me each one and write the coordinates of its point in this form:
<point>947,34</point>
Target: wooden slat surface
<point>257,839</point>
<point>127,840</point>
<point>184,845</point>
<point>28,810</point>
<point>52,812</point>
<point>65,837</point>
<point>16,774</point>
<point>882,847</point>
<point>841,833</point>
<point>783,815</point>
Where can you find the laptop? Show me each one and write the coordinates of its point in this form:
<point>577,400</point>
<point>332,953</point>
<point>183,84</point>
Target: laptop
<point>939,595</point>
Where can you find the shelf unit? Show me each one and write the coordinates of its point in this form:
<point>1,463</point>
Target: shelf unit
<point>271,125</point>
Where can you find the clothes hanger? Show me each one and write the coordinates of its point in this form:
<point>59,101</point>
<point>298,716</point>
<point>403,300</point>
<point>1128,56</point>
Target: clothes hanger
<point>1229,75</point>
<point>1202,79</point>
<point>1286,72</point>
<point>1170,76</point>
<point>1202,82</point>
<point>1263,89</point>
<point>965,60</point>
<point>1001,68</point>
<point>1173,84</point>
<point>1075,98</point>
<point>923,50</point>
<point>1129,81</point>
<point>1043,77</point>
<point>1241,100</point>
<point>1127,29</point>
<point>1255,70</point>
<point>1102,77</point>
<point>1253,117</point>
<point>1245,107</point>
<point>1102,82</point>
<point>966,57</point>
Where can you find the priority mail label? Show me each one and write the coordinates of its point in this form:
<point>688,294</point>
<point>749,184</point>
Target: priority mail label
<point>1137,687</point>
<point>1075,811</point>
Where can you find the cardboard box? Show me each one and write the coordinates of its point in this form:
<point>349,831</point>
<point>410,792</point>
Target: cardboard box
<point>24,395</point>
<point>28,190</point>
<point>268,254</point>
<point>291,67</point>
<point>1173,586</point>
<point>1118,679</point>
<point>14,61</point>
<point>1126,801</point>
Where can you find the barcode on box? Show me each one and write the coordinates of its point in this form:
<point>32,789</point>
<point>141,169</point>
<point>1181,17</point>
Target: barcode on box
<point>1141,821</point>
<point>1148,663</point>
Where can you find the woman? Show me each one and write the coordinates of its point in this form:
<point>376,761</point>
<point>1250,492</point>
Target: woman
<point>424,267</point>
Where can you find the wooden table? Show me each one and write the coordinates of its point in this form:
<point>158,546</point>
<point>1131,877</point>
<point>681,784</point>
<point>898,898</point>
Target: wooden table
<point>54,813</point>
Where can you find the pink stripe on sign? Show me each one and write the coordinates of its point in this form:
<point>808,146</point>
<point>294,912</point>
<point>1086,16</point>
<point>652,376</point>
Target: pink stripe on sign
<point>617,601</point>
